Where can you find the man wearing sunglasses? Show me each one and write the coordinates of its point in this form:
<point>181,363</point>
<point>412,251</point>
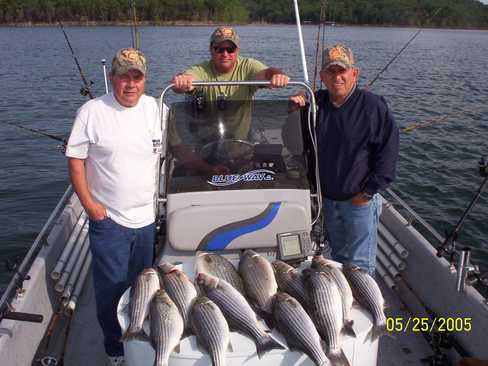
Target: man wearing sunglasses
<point>229,106</point>
<point>226,65</point>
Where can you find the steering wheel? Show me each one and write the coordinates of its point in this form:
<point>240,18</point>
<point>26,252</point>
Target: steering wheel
<point>234,153</point>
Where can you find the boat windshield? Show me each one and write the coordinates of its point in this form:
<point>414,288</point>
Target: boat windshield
<point>258,144</point>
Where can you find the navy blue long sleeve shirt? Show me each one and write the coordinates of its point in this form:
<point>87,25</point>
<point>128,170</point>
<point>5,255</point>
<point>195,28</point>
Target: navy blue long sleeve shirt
<point>358,145</point>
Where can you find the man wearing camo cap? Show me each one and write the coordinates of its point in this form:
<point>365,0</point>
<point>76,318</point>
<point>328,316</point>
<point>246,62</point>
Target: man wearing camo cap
<point>112,155</point>
<point>358,143</point>
<point>226,64</point>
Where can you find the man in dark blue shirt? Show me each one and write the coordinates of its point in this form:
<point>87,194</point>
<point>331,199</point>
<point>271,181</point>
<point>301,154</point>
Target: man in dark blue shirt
<point>358,145</point>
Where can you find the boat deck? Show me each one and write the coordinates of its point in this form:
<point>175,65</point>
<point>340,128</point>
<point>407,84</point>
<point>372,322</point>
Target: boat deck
<point>85,346</point>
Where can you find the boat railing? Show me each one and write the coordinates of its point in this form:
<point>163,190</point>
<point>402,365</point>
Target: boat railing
<point>21,272</point>
<point>466,271</point>
<point>414,216</point>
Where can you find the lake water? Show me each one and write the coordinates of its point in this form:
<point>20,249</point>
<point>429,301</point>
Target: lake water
<point>442,73</point>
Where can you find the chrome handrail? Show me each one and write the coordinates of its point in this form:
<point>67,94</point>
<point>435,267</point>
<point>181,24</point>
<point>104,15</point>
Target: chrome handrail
<point>311,126</point>
<point>415,216</point>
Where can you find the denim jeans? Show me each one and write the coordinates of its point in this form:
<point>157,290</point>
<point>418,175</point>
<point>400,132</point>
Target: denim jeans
<point>119,254</point>
<point>352,231</point>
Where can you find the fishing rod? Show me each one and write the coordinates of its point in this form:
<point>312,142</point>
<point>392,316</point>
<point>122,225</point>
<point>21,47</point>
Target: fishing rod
<point>321,27</point>
<point>452,237</point>
<point>134,32</point>
<point>85,90</point>
<point>39,132</point>
<point>428,122</point>
<point>400,52</point>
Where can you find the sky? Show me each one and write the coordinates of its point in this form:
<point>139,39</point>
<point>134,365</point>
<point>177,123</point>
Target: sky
<point>484,1</point>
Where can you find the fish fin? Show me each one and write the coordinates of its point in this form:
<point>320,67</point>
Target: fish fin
<point>135,336</point>
<point>267,317</point>
<point>338,358</point>
<point>347,329</point>
<point>266,344</point>
<point>377,331</point>
<point>229,347</point>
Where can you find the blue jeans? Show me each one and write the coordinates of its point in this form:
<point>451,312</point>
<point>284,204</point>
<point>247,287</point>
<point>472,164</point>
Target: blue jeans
<point>352,231</point>
<point>119,254</point>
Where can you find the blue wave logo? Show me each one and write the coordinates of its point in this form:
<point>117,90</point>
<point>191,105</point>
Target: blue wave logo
<point>258,175</point>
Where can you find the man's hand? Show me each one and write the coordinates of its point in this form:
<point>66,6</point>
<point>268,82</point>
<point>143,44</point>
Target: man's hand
<point>279,80</point>
<point>183,83</point>
<point>96,211</point>
<point>299,100</point>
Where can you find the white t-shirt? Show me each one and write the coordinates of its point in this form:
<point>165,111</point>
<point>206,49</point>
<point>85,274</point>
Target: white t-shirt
<point>121,146</point>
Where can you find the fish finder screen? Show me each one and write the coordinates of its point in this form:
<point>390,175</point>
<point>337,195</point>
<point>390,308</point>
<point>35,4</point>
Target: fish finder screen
<point>290,245</point>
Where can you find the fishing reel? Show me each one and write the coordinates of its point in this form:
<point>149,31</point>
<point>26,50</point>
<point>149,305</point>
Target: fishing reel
<point>86,89</point>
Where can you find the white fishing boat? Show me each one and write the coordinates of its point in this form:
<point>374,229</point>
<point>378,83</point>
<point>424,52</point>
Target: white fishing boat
<point>268,200</point>
<point>270,181</point>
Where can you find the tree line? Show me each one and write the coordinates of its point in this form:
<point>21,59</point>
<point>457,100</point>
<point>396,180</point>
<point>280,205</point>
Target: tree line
<point>443,13</point>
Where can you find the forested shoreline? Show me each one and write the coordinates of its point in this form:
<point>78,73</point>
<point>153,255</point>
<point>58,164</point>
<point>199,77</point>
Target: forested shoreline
<point>427,13</point>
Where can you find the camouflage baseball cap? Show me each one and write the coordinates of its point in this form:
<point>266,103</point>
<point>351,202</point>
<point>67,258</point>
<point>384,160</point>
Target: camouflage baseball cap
<point>222,34</point>
<point>128,59</point>
<point>338,55</point>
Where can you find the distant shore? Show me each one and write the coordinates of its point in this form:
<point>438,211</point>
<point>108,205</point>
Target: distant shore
<point>183,23</point>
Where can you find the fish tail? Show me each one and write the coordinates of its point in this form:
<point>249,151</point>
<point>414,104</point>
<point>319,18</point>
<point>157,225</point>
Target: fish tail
<point>134,336</point>
<point>338,358</point>
<point>266,344</point>
<point>161,361</point>
<point>218,359</point>
<point>347,329</point>
<point>377,331</point>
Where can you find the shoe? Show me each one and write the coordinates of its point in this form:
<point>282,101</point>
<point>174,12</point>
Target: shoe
<point>117,361</point>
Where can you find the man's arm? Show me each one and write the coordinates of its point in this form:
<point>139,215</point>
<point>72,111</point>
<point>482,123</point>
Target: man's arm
<point>277,77</point>
<point>95,210</point>
<point>384,153</point>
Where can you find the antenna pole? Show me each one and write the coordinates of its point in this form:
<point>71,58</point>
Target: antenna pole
<point>105,75</point>
<point>300,39</point>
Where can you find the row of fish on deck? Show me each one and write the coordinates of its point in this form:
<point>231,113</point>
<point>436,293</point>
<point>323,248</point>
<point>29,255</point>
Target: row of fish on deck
<point>310,308</point>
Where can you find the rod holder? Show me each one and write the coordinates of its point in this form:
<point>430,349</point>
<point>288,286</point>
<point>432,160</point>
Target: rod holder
<point>24,317</point>
<point>463,269</point>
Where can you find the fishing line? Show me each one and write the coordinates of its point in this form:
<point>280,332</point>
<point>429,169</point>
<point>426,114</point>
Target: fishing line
<point>400,52</point>
<point>39,132</point>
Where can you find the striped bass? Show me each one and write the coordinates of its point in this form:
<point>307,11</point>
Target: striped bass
<point>237,311</point>
<point>321,264</point>
<point>218,266</point>
<point>326,309</point>
<point>141,293</point>
<point>259,280</point>
<point>211,329</point>
<point>297,327</point>
<point>179,288</point>
<point>166,327</point>
<point>367,292</point>
<point>290,281</point>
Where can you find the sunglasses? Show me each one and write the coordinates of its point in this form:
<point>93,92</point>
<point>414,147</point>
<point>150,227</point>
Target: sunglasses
<point>223,49</point>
